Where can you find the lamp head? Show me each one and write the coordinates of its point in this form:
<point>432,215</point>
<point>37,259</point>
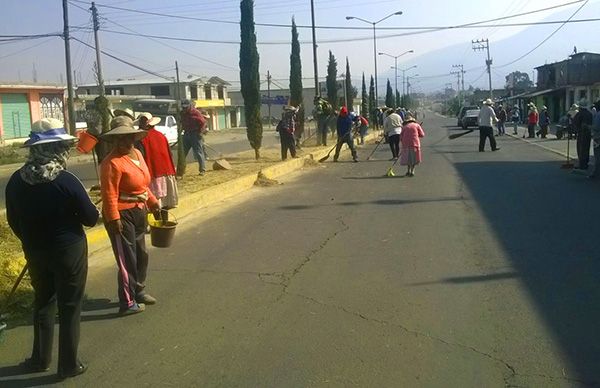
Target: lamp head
<point>398,13</point>
<point>349,17</point>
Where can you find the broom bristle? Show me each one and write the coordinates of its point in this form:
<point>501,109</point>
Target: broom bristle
<point>390,172</point>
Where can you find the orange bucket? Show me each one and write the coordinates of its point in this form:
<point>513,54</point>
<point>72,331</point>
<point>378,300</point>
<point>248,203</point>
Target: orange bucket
<point>86,142</point>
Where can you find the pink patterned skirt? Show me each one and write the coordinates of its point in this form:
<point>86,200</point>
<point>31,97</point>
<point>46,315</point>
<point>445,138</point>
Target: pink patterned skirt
<point>410,156</point>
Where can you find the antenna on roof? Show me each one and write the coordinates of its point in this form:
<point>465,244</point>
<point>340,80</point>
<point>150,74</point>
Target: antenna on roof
<point>574,50</point>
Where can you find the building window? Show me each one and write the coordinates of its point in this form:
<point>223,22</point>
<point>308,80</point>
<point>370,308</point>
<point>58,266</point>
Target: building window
<point>52,107</point>
<point>114,91</point>
<point>208,92</point>
<point>194,92</point>
<point>221,95</point>
<point>161,90</point>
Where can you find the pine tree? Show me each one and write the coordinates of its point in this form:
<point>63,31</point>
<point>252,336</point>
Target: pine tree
<point>398,99</point>
<point>364,107</point>
<point>296,98</point>
<point>249,76</point>
<point>389,95</point>
<point>349,89</point>
<point>372,103</point>
<point>331,81</point>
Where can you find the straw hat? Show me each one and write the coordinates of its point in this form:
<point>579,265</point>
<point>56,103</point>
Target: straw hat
<point>46,131</point>
<point>152,121</point>
<point>124,112</point>
<point>488,101</point>
<point>290,108</point>
<point>123,125</point>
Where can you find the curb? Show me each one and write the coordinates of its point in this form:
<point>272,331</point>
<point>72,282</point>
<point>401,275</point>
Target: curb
<point>98,238</point>
<point>563,154</point>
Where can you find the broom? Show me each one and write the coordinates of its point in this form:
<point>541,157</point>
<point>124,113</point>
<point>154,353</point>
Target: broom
<point>10,295</point>
<point>324,158</point>
<point>457,135</point>
<point>390,171</point>
<point>376,146</point>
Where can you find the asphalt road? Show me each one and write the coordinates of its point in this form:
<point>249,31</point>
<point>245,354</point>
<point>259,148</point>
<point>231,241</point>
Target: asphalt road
<point>481,271</point>
<point>223,142</point>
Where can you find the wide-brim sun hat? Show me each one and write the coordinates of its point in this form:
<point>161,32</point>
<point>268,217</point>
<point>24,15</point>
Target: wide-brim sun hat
<point>290,108</point>
<point>123,125</point>
<point>488,101</point>
<point>46,131</point>
<point>124,112</point>
<point>152,121</point>
<point>544,107</point>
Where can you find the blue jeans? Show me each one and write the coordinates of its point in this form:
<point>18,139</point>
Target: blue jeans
<point>195,141</point>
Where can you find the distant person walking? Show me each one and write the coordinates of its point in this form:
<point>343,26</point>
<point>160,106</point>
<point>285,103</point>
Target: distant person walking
<point>515,117</point>
<point>286,129</point>
<point>194,128</point>
<point>46,207</point>
<point>411,144</point>
<point>392,128</point>
<point>501,121</point>
<point>583,124</point>
<point>544,122</point>
<point>532,121</point>
<point>487,118</point>
<point>344,133</point>
<point>322,113</point>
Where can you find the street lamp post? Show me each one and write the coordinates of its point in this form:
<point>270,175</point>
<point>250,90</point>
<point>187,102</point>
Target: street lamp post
<point>343,76</point>
<point>374,43</point>
<point>396,65</point>
<point>404,78</point>
<point>408,83</point>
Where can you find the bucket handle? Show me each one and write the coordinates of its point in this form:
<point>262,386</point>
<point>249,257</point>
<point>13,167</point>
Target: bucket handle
<point>165,216</point>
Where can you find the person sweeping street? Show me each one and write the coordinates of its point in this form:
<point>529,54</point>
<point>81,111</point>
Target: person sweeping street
<point>487,118</point>
<point>392,127</point>
<point>46,207</point>
<point>286,129</point>
<point>411,135</point>
<point>344,133</point>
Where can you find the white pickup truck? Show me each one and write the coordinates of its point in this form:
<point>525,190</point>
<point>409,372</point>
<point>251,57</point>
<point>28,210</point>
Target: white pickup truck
<point>168,127</point>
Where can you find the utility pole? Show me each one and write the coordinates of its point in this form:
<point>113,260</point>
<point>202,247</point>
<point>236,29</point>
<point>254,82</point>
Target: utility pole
<point>269,95</point>
<point>98,62</point>
<point>480,45</point>
<point>314,44</point>
<point>181,164</point>
<point>461,81</point>
<point>35,79</point>
<point>66,37</point>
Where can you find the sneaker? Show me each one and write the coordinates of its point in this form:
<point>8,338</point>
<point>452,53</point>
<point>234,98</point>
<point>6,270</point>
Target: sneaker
<point>136,308</point>
<point>33,366</point>
<point>355,160</point>
<point>145,299</point>
<point>80,369</point>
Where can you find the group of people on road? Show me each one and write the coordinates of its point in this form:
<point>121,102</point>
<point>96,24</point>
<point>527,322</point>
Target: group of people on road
<point>47,207</point>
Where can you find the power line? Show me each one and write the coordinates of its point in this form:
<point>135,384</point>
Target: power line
<point>25,49</point>
<point>547,38</point>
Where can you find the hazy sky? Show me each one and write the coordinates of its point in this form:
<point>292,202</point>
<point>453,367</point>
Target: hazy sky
<point>208,59</point>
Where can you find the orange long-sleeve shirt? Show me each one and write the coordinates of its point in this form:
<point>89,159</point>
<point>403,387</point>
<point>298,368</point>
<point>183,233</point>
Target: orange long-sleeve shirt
<point>120,175</point>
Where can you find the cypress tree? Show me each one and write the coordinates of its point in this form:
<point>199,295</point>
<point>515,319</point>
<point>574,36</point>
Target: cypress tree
<point>389,95</point>
<point>331,81</point>
<point>296,98</point>
<point>349,88</point>
<point>398,99</point>
<point>249,76</point>
<point>372,103</point>
<point>364,107</point>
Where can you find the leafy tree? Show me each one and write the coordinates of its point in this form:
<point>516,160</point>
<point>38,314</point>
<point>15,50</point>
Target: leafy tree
<point>518,80</point>
<point>296,98</point>
<point>331,81</point>
<point>389,95</point>
<point>249,76</point>
<point>372,103</point>
<point>364,107</point>
<point>350,90</point>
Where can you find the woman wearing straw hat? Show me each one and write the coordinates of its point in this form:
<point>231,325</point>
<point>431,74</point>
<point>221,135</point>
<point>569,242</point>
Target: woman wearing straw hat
<point>46,207</point>
<point>158,158</point>
<point>411,144</point>
<point>124,180</point>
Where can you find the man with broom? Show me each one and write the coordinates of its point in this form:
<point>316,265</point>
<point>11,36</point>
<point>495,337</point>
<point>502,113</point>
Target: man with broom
<point>344,132</point>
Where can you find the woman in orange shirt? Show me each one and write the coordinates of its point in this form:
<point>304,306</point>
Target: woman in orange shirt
<point>124,180</point>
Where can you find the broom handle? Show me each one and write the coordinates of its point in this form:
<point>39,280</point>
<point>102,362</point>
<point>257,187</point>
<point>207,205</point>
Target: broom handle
<point>14,288</point>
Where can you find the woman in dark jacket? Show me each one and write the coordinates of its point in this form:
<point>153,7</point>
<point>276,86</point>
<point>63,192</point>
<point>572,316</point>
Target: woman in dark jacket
<point>46,207</point>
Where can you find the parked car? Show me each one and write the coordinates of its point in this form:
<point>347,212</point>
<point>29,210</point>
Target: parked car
<point>470,118</point>
<point>463,110</point>
<point>168,127</point>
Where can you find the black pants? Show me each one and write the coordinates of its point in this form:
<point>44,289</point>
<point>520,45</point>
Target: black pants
<point>394,145</point>
<point>484,133</point>
<point>347,139</point>
<point>322,131</point>
<point>287,143</point>
<point>131,255</point>
<point>584,140</point>
<point>531,130</point>
<point>58,276</point>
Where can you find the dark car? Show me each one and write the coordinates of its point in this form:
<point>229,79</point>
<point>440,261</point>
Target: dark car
<point>462,112</point>
<point>470,119</point>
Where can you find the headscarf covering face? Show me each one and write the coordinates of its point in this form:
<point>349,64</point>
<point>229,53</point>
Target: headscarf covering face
<point>45,162</point>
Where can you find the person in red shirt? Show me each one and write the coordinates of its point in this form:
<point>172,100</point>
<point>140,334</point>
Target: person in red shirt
<point>532,120</point>
<point>124,179</point>
<point>194,127</point>
<point>157,155</point>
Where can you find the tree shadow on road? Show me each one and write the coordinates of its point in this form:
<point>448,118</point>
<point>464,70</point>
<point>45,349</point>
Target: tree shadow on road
<point>545,219</point>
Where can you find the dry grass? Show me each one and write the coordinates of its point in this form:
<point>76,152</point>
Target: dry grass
<point>11,264</point>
